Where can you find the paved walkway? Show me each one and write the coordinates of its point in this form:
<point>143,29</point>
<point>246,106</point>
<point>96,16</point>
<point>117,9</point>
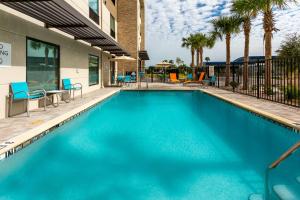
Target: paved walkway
<point>15,129</point>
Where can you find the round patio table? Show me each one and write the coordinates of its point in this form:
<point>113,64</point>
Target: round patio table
<point>57,93</point>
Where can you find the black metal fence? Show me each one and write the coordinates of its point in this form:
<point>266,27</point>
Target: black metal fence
<point>276,80</point>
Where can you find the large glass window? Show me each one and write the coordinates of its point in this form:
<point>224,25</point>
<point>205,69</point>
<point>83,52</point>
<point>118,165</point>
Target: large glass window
<point>94,5</point>
<point>93,70</point>
<point>112,26</point>
<point>42,65</point>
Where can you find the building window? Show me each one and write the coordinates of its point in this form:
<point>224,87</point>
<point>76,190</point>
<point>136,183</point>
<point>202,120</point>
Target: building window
<point>94,10</point>
<point>42,65</point>
<point>114,2</point>
<point>112,26</point>
<point>93,70</point>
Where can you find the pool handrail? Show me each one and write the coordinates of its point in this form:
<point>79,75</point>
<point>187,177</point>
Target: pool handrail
<point>284,156</point>
<point>276,163</point>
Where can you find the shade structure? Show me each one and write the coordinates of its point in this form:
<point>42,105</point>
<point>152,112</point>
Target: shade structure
<point>61,15</point>
<point>123,58</point>
<point>163,64</point>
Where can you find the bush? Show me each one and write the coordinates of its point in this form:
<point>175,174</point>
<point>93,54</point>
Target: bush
<point>234,85</point>
<point>291,92</point>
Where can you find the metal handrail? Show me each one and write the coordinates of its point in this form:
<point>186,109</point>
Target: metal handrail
<point>285,156</point>
<point>276,163</point>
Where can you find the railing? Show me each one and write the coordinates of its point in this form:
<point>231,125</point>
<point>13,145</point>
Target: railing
<point>275,164</point>
<point>276,80</point>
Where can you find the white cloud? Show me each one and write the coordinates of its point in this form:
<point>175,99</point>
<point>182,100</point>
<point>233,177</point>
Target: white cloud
<point>170,20</point>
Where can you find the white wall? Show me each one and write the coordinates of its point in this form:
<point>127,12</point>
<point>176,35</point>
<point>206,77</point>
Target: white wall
<point>73,54</point>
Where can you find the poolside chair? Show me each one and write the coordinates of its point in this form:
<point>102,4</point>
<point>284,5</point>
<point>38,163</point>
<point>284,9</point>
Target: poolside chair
<point>173,78</point>
<point>189,77</point>
<point>20,91</point>
<point>200,81</point>
<point>127,80</point>
<point>67,85</point>
<point>211,81</point>
<point>120,79</point>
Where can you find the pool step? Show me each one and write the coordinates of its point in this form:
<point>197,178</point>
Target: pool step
<point>256,197</point>
<point>287,192</point>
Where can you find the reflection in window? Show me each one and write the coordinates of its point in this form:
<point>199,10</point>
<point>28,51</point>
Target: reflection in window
<point>93,70</point>
<point>94,5</point>
<point>112,26</point>
<point>42,65</point>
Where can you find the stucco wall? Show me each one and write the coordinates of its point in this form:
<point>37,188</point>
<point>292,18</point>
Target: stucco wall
<point>73,54</point>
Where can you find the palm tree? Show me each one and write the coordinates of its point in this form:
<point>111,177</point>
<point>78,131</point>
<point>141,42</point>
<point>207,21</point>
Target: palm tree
<point>202,41</point>
<point>267,7</point>
<point>188,43</point>
<point>191,42</point>
<point>226,26</point>
<point>247,10</point>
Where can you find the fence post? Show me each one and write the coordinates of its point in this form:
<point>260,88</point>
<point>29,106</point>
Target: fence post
<point>233,76</point>
<point>164,75</point>
<point>257,77</point>
<point>151,75</point>
<point>218,70</point>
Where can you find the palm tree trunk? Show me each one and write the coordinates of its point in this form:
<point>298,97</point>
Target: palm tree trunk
<point>247,29</point>
<point>193,57</point>
<point>268,27</point>
<point>228,38</point>
<point>201,57</point>
<point>198,57</point>
<point>193,63</point>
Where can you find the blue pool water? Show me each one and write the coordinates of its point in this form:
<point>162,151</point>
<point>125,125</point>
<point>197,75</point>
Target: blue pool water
<point>152,146</point>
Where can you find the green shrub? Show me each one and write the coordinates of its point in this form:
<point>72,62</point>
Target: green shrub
<point>234,85</point>
<point>291,92</point>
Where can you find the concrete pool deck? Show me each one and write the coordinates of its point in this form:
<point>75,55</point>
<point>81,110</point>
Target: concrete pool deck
<point>17,132</point>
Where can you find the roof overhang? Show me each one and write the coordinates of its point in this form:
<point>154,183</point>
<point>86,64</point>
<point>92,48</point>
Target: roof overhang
<point>143,55</point>
<point>62,16</point>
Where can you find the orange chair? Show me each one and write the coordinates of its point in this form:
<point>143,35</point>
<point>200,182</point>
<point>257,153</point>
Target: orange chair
<point>201,79</point>
<point>173,78</point>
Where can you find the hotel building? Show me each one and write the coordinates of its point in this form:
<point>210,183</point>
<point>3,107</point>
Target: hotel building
<point>43,42</point>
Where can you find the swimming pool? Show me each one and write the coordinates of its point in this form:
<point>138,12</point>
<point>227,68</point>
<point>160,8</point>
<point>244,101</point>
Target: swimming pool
<point>152,145</point>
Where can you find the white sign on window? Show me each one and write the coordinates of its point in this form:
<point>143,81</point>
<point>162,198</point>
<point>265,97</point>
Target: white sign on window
<point>211,70</point>
<point>5,54</point>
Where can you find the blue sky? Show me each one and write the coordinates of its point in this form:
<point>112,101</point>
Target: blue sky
<point>170,20</point>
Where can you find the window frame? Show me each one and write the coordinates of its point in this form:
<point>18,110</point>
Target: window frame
<point>95,16</point>
<point>112,31</point>
<point>98,68</point>
<point>58,53</point>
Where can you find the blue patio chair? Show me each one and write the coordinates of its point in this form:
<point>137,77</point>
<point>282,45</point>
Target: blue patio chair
<point>120,79</point>
<point>190,77</point>
<point>211,81</point>
<point>20,91</point>
<point>127,80</point>
<point>67,85</point>
<point>142,76</point>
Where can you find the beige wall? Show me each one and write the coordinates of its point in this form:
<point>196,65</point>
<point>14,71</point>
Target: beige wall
<point>73,54</point>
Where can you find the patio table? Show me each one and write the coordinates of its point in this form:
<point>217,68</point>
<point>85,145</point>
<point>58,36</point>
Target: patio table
<point>57,93</point>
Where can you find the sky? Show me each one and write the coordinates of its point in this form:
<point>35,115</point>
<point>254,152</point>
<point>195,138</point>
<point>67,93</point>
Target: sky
<point>167,21</point>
